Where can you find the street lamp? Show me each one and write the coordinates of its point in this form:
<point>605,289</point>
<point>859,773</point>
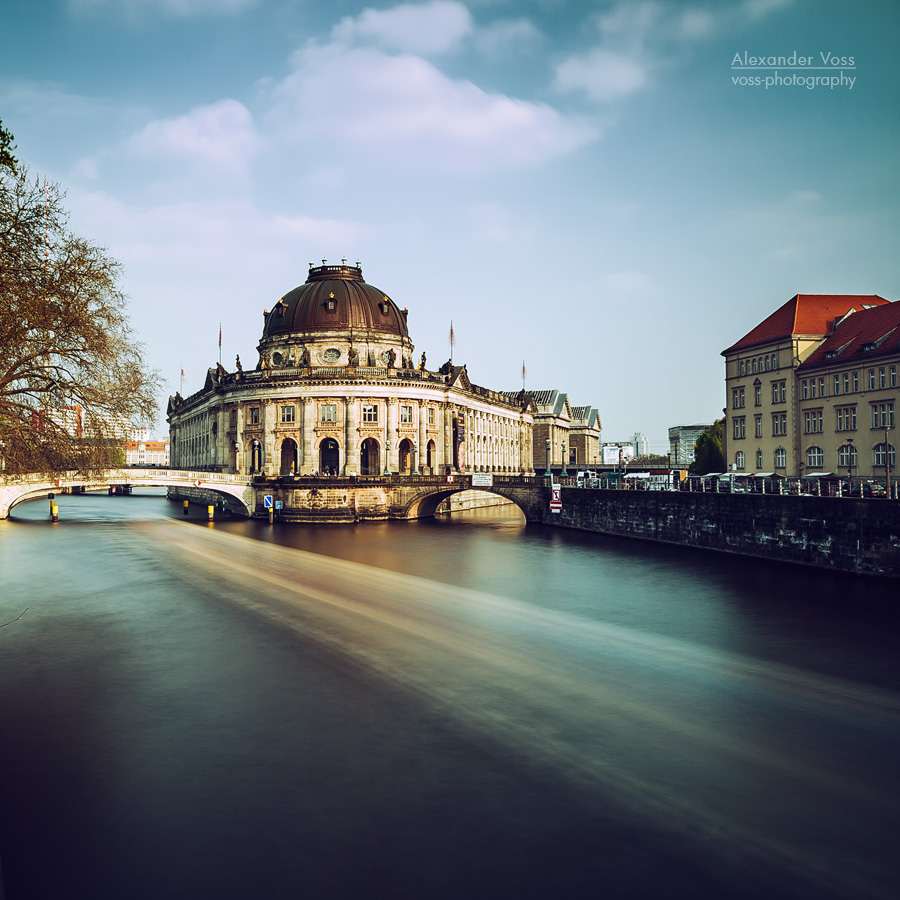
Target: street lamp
<point>887,461</point>
<point>547,460</point>
<point>564,473</point>
<point>850,463</point>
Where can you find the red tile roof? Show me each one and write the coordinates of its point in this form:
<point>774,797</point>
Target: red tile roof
<point>805,314</point>
<point>879,326</point>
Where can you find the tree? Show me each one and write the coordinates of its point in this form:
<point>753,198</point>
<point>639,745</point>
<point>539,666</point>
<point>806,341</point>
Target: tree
<point>7,160</point>
<point>708,453</point>
<point>72,376</point>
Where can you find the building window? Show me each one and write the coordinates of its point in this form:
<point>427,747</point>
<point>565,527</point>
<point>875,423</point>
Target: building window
<point>405,415</point>
<point>233,418</point>
<point>815,458</point>
<point>431,415</point>
<point>882,415</point>
<point>370,412</point>
<point>254,415</point>
<point>847,456</point>
<point>759,460</point>
<point>737,398</point>
<point>882,377</point>
<point>775,360</point>
<point>739,459</point>
<point>779,391</point>
<point>812,421</point>
<point>837,384</point>
<point>822,386</point>
<point>855,382</point>
<point>893,376</point>
<point>804,390</point>
<point>871,379</point>
<point>739,425</point>
<point>780,458</point>
<point>846,418</point>
<point>287,413</point>
<point>779,424</point>
<point>754,366</point>
<point>757,422</point>
<point>879,455</point>
<point>846,382</point>
<point>757,395</point>
<point>328,412</point>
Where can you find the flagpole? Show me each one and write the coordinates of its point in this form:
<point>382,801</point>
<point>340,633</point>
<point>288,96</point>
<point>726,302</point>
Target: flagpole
<point>451,342</point>
<point>220,343</point>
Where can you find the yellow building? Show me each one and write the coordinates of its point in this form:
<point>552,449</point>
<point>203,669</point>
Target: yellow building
<point>810,388</point>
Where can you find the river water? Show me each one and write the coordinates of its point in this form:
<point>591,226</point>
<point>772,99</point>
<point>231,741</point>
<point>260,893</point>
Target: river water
<point>446,708</point>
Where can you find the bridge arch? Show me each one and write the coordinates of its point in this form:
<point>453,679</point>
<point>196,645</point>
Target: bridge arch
<point>424,503</point>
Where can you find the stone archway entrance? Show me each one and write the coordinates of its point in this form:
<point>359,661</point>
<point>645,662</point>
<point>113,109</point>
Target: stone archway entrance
<point>404,453</point>
<point>288,457</point>
<point>329,457</point>
<point>369,461</point>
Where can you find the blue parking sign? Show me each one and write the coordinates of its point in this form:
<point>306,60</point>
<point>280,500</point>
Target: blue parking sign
<point>267,501</point>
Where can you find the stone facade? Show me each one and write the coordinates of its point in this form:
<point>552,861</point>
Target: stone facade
<point>812,387</point>
<point>335,391</point>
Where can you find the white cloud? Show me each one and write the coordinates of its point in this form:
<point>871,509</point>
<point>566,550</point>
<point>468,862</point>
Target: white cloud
<point>602,74</point>
<point>425,28</point>
<point>404,111</point>
<point>220,135</point>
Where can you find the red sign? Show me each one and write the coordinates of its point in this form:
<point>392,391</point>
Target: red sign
<point>556,498</point>
<point>449,479</point>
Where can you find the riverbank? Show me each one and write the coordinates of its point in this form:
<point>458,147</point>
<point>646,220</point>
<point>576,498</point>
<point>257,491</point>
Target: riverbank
<point>842,534</point>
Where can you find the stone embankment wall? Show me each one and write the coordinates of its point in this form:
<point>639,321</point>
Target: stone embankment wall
<point>851,535</point>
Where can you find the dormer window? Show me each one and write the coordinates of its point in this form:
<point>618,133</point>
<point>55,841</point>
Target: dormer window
<point>869,346</point>
<point>330,303</point>
<point>384,306</point>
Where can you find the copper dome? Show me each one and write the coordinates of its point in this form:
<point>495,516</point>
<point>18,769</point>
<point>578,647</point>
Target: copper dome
<point>335,298</point>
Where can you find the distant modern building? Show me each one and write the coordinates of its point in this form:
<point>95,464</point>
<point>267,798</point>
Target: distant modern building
<point>641,444</point>
<point>683,442</point>
<point>335,389</point>
<point>814,388</point>
<point>613,454</point>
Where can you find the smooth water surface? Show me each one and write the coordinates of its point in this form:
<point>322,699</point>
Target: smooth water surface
<point>442,708</point>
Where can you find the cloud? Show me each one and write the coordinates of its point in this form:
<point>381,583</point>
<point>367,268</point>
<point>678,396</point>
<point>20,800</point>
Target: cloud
<point>602,74</point>
<point>401,110</point>
<point>181,8</point>
<point>220,135</point>
<point>427,28</point>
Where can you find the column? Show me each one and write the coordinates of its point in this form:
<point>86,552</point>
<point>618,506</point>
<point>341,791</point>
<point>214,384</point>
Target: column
<point>351,429</point>
<point>307,452</point>
<point>392,433</point>
<point>422,453</point>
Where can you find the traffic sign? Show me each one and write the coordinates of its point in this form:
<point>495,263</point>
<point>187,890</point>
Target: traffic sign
<point>556,498</point>
<point>279,504</point>
<point>267,501</point>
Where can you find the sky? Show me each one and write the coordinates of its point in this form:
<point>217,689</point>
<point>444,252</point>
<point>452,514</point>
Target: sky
<point>598,190</point>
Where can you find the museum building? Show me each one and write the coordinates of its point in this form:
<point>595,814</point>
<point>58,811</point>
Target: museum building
<point>336,390</point>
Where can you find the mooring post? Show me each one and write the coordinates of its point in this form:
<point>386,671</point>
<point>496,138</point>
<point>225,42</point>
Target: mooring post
<point>209,512</point>
<point>185,512</point>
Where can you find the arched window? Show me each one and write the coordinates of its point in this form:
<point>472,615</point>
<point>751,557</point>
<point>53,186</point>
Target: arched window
<point>847,456</point>
<point>739,459</point>
<point>780,458</point>
<point>759,460</point>
<point>815,458</point>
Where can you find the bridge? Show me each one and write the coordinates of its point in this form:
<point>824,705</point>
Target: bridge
<point>236,491</point>
<point>294,498</point>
